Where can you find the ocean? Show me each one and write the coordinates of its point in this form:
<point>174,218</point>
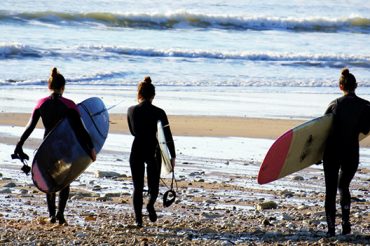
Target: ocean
<point>208,48</point>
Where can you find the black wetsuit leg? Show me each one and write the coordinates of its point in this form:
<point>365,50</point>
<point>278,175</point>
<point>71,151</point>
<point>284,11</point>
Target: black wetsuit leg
<point>346,175</point>
<point>137,173</point>
<point>153,170</point>
<point>63,198</point>
<point>331,171</point>
<point>339,176</point>
<point>50,198</point>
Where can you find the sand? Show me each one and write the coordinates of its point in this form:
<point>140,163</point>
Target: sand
<point>215,126</point>
<point>225,211</point>
<point>212,126</point>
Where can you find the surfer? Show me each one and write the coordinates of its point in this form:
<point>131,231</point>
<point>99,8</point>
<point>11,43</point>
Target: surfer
<point>52,109</point>
<point>142,120</point>
<point>351,116</point>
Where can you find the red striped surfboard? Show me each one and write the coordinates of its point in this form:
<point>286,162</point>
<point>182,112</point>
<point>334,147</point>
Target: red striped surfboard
<point>296,149</point>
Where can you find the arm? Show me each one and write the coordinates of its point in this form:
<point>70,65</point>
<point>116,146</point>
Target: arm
<point>30,127</point>
<point>18,152</point>
<point>129,117</point>
<point>331,107</point>
<point>168,135</point>
<point>365,120</point>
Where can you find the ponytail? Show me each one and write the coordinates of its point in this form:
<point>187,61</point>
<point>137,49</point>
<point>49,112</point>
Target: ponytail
<point>56,80</point>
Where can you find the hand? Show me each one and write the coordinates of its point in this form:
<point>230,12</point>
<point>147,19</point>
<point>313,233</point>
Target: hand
<point>19,154</point>
<point>173,162</point>
<point>93,154</point>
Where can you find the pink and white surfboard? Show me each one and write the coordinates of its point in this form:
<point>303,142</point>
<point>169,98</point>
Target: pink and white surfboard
<point>296,149</point>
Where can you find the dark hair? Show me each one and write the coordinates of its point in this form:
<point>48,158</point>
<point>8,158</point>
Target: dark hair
<point>56,80</point>
<point>347,80</point>
<point>145,89</point>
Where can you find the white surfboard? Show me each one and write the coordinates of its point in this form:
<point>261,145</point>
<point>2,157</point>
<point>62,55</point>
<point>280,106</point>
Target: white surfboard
<point>166,156</point>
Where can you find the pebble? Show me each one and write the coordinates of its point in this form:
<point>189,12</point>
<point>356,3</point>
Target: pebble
<point>104,174</point>
<point>287,193</point>
<point>6,191</point>
<point>297,178</point>
<point>266,205</point>
<point>10,185</point>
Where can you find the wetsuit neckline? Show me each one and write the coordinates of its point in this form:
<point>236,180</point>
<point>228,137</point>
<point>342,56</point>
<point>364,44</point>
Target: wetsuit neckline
<point>55,95</point>
<point>352,93</point>
<point>145,102</point>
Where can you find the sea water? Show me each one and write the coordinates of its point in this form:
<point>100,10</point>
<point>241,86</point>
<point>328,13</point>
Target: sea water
<point>241,58</point>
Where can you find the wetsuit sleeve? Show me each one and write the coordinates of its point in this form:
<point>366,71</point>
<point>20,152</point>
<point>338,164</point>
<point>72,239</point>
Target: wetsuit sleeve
<point>331,107</point>
<point>365,120</point>
<point>129,117</point>
<point>30,126</point>
<point>79,128</point>
<point>168,134</point>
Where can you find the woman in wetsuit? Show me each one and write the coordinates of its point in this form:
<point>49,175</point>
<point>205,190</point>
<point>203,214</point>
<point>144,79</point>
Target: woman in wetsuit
<point>142,120</point>
<point>351,116</point>
<point>52,109</point>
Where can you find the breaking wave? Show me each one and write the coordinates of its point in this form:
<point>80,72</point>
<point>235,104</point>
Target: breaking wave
<point>19,51</point>
<point>183,19</point>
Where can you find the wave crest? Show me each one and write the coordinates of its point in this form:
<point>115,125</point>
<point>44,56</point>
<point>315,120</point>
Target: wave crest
<point>183,19</point>
<point>19,51</point>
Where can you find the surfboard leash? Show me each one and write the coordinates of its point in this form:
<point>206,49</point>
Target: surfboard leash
<point>107,109</point>
<point>23,158</point>
<point>170,195</point>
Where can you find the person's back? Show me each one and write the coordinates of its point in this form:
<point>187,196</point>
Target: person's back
<point>54,108</point>
<point>143,120</point>
<point>350,119</point>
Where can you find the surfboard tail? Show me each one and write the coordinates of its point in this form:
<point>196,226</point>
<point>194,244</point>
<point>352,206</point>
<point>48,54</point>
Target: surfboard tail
<point>275,159</point>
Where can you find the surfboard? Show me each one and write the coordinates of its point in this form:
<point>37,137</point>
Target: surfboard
<point>166,167</point>
<point>296,149</point>
<point>61,157</point>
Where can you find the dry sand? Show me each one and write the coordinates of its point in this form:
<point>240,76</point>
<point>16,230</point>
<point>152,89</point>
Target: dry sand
<point>213,126</point>
<point>191,125</point>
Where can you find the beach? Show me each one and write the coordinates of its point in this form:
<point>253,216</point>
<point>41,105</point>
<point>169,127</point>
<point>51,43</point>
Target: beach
<point>219,201</point>
<point>232,77</point>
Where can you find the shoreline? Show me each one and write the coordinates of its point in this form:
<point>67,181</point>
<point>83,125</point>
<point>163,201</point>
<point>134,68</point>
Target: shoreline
<point>197,126</point>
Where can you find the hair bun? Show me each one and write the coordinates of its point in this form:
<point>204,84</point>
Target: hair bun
<point>345,72</point>
<point>148,80</point>
<point>54,72</point>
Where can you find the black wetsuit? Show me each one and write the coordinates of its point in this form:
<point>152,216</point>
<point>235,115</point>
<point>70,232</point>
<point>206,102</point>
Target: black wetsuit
<point>52,109</point>
<point>341,158</point>
<point>142,121</point>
